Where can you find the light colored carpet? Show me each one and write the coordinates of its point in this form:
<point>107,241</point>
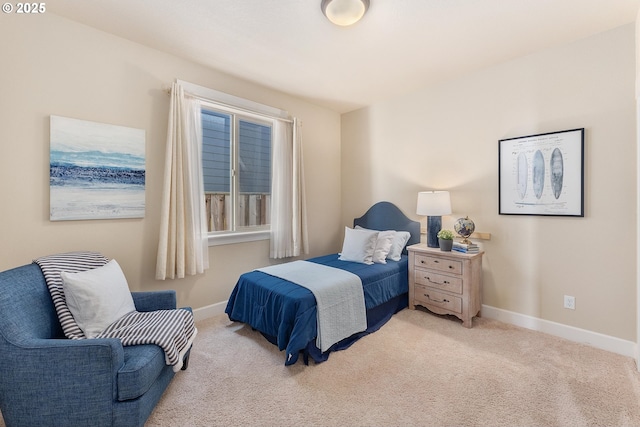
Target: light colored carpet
<point>418,370</point>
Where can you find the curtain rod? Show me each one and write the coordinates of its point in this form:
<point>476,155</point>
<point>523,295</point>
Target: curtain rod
<point>219,104</point>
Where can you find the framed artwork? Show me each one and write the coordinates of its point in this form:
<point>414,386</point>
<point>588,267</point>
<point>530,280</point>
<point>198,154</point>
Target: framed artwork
<point>96,170</point>
<point>542,174</point>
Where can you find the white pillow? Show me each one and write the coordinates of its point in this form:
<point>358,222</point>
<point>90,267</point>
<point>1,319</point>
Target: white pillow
<point>358,245</point>
<point>399,242</point>
<point>383,244</point>
<point>97,297</point>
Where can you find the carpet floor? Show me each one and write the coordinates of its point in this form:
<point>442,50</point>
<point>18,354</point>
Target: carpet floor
<point>418,370</point>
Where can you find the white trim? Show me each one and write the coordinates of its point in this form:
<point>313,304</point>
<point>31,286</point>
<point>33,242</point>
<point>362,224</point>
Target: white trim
<point>232,101</point>
<point>241,113</point>
<point>593,339</point>
<point>238,237</point>
<point>637,93</point>
<point>209,311</point>
<point>636,355</point>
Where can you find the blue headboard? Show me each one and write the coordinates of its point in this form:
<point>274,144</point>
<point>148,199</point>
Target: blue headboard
<point>387,216</point>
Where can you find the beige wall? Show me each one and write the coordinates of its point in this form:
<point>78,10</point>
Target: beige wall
<point>52,66</point>
<point>443,137</point>
<point>446,137</point>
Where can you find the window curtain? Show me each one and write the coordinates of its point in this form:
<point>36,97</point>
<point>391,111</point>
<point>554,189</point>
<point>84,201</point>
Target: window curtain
<point>289,236</point>
<point>183,246</point>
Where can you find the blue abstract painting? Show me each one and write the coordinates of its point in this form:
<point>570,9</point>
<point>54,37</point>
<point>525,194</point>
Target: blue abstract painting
<point>97,171</point>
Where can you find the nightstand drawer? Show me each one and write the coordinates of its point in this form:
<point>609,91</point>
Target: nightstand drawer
<point>451,266</point>
<point>438,299</point>
<point>440,281</point>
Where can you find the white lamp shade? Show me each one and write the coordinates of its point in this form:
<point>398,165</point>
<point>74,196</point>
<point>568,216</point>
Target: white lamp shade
<point>344,12</point>
<point>434,203</point>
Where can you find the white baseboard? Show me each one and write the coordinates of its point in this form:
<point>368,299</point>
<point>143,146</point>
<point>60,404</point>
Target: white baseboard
<point>209,311</point>
<point>594,339</point>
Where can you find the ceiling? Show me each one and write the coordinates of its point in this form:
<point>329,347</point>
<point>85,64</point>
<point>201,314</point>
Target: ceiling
<point>399,46</point>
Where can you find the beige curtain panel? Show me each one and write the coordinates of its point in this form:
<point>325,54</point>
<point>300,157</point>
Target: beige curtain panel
<point>183,247</point>
<point>289,236</point>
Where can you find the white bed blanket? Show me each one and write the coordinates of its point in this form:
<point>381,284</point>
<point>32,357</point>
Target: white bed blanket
<point>341,309</point>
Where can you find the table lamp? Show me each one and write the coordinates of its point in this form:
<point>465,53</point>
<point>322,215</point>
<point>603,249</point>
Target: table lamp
<point>434,204</point>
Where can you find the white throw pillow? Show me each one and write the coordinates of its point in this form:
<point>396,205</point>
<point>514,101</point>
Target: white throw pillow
<point>399,242</point>
<point>383,244</point>
<point>97,297</point>
<point>358,245</point>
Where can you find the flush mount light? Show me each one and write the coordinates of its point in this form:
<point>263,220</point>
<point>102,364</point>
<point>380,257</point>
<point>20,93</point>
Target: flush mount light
<point>344,12</point>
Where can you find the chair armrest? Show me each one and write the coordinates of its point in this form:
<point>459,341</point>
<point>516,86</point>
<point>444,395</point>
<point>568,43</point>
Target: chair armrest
<point>154,300</point>
<point>61,373</point>
<point>70,356</point>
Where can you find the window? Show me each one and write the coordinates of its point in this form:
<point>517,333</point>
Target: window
<point>236,161</point>
<point>239,137</point>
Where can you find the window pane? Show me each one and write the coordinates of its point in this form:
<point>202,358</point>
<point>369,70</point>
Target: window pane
<point>216,168</point>
<point>254,174</point>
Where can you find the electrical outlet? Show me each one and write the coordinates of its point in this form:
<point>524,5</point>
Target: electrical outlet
<point>569,302</point>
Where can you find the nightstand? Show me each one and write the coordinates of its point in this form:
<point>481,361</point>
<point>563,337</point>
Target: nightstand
<point>445,282</point>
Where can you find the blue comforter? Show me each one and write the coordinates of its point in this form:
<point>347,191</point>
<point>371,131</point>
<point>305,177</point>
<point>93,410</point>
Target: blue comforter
<point>287,312</point>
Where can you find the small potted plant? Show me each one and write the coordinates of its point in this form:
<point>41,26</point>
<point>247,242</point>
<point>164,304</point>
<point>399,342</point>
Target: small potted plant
<point>445,240</point>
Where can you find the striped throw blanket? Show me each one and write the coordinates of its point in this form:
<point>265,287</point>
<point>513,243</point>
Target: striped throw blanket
<point>172,330</point>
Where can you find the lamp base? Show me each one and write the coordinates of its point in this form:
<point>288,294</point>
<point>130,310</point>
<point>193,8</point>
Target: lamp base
<point>434,225</point>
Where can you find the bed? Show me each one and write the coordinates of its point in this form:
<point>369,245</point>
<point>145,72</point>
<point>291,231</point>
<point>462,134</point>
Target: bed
<point>285,313</point>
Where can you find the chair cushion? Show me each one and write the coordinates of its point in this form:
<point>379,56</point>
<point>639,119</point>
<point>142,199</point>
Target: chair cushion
<point>142,366</point>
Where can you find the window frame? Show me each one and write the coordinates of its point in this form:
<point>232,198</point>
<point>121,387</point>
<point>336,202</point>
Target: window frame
<point>229,104</point>
<point>245,233</point>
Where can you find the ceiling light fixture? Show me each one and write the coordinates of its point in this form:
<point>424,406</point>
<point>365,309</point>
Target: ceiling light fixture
<point>344,12</point>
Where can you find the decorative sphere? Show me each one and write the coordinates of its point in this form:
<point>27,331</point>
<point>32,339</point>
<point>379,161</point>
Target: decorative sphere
<point>464,227</point>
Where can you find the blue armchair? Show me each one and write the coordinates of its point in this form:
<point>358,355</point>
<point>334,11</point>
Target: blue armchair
<point>48,380</point>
